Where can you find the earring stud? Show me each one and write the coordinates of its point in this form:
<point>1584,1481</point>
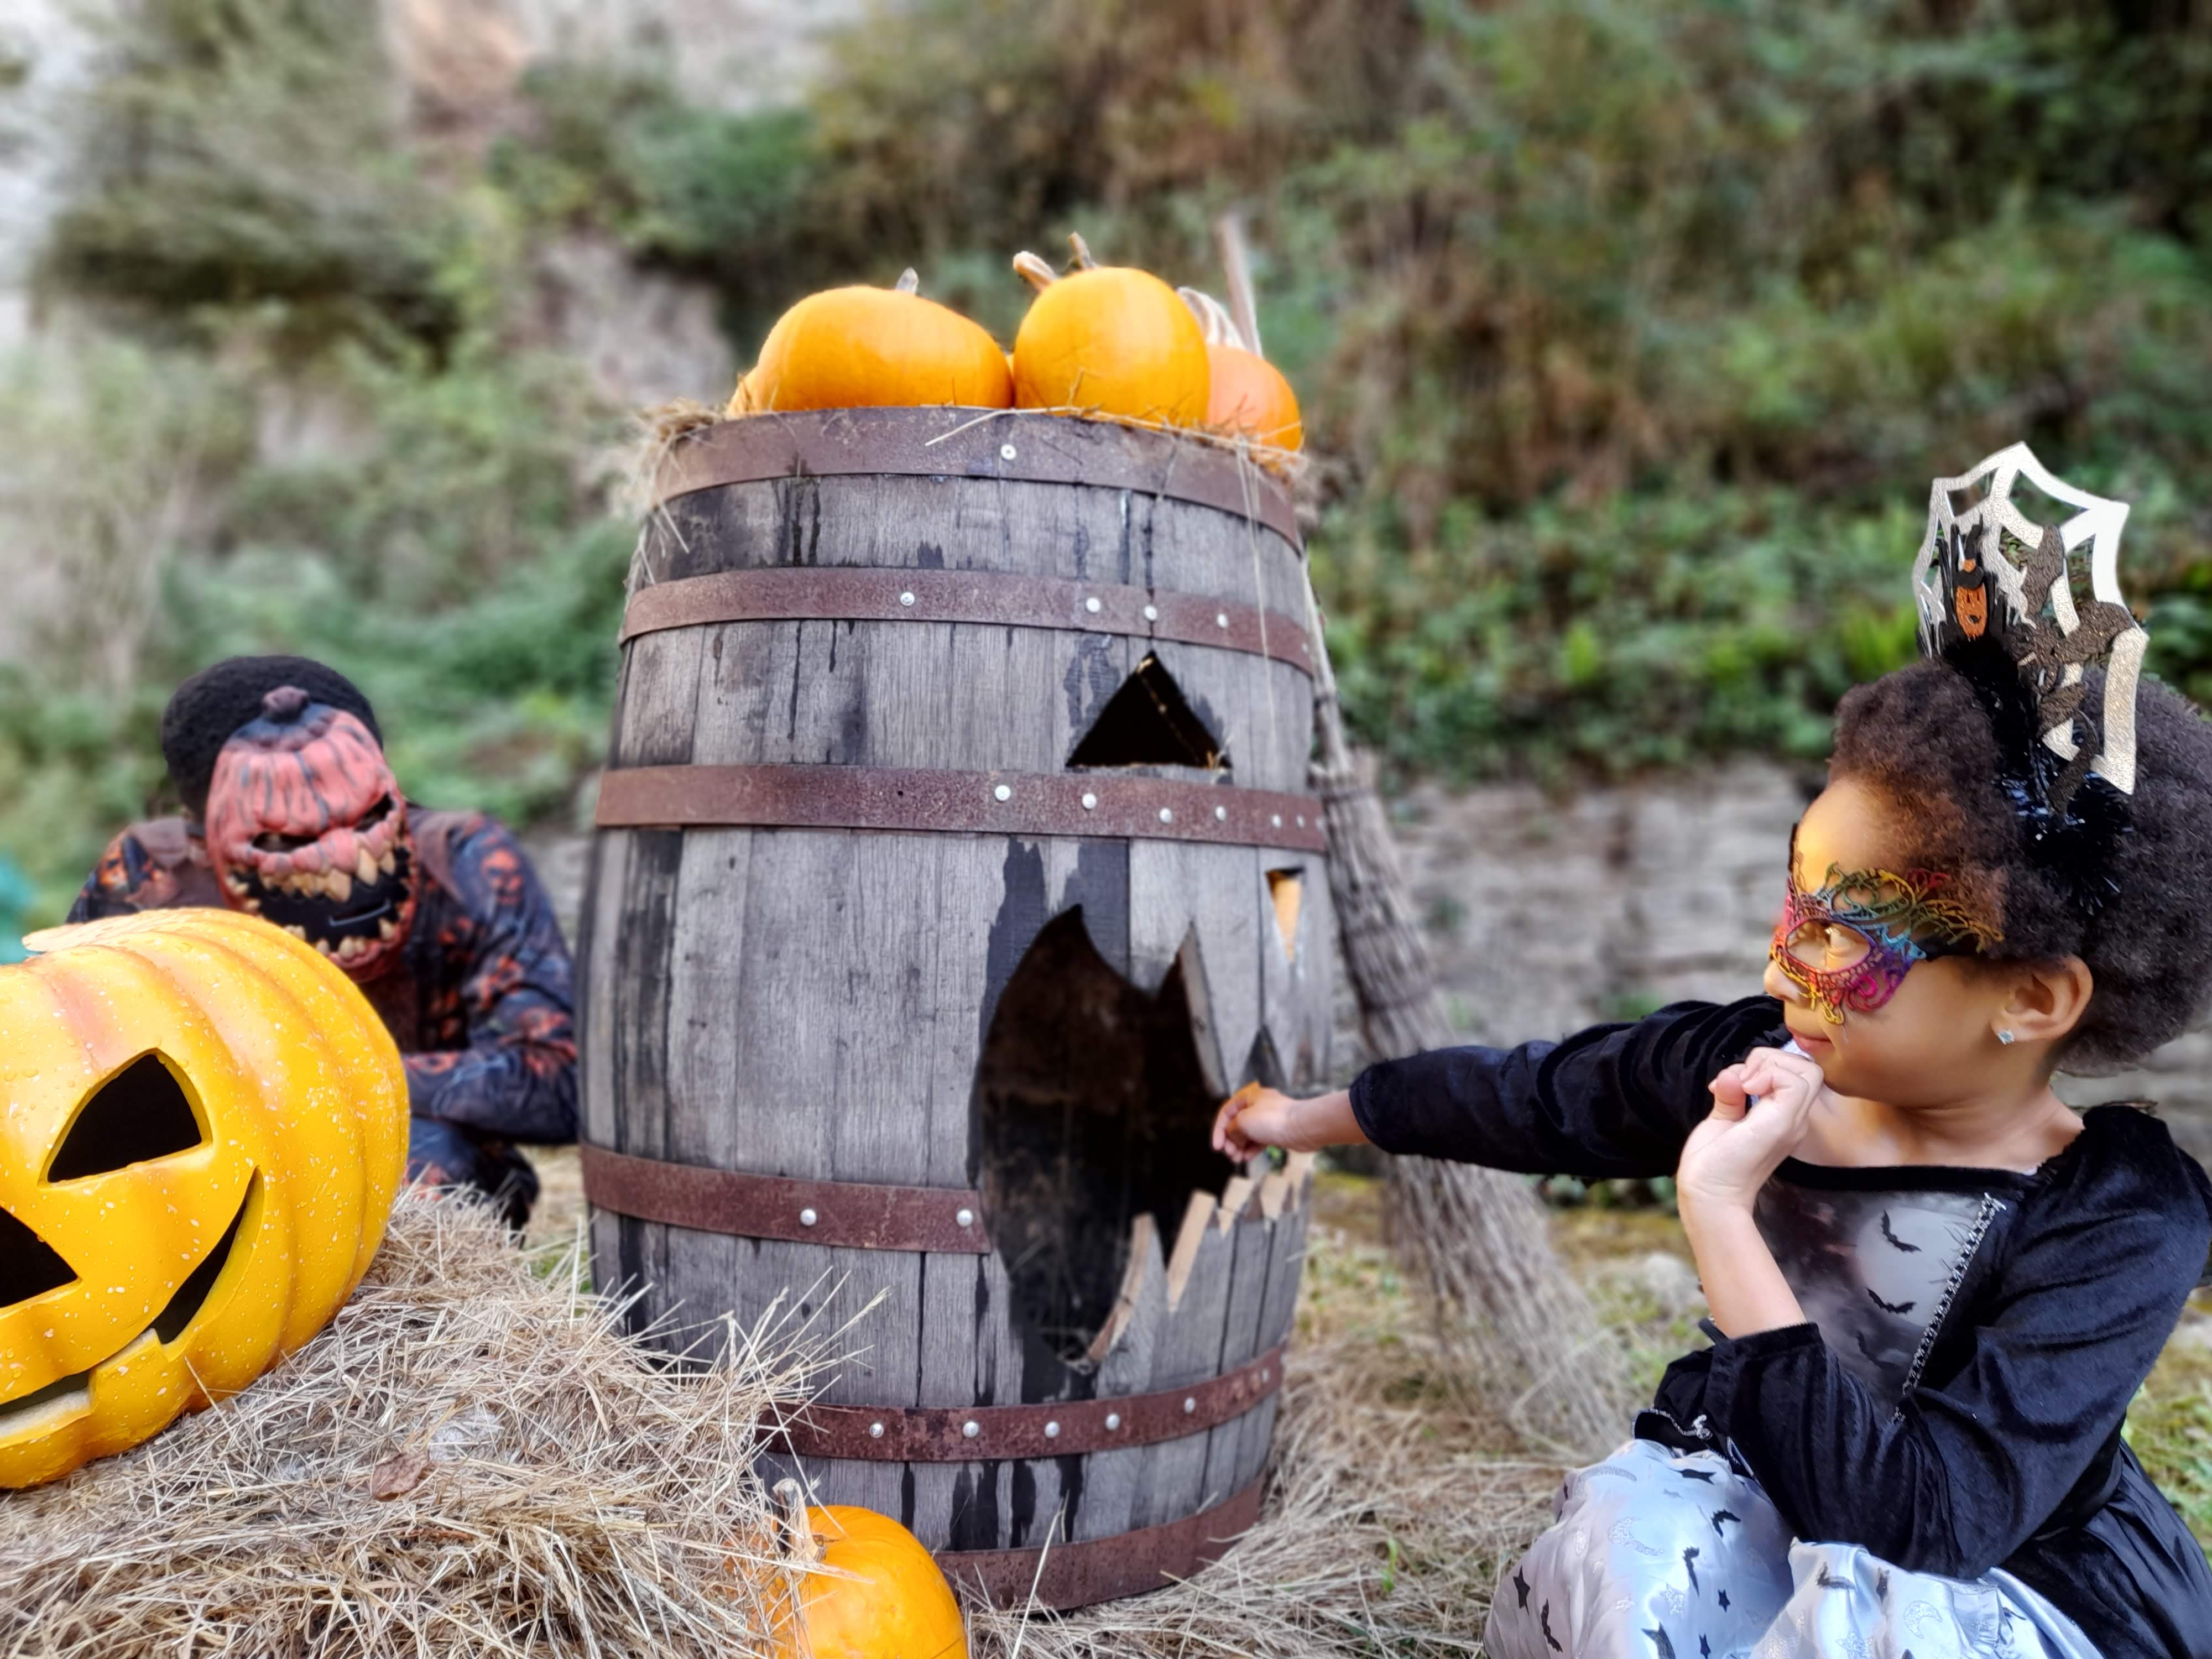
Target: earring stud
<point>2005,1037</point>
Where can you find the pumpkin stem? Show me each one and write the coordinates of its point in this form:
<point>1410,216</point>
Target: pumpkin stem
<point>1035,271</point>
<point>1082,261</point>
<point>1213,318</point>
<point>794,1537</point>
<point>908,282</point>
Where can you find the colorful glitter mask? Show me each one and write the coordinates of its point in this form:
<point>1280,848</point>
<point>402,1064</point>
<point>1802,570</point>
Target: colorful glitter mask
<point>1848,944</point>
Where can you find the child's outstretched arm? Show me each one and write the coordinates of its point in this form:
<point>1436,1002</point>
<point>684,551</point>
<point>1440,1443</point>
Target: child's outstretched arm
<point>1613,1100</point>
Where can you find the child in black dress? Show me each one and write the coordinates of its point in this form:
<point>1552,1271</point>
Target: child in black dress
<point>1933,1288</point>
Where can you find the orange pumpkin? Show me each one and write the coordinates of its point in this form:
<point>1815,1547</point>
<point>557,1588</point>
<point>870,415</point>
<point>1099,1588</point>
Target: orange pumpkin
<point>856,347</point>
<point>1109,340</point>
<point>883,1596</point>
<point>1250,398</point>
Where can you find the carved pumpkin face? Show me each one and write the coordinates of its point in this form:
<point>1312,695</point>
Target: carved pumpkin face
<point>307,829</point>
<point>202,1126</point>
<point>1970,606</point>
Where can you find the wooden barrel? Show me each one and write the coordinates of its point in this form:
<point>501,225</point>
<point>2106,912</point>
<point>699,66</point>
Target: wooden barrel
<point>954,858</point>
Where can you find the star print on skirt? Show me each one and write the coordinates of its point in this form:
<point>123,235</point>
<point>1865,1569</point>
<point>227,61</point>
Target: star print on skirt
<point>1655,1555</point>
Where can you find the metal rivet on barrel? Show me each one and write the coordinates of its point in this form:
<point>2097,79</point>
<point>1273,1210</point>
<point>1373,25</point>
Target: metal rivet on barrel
<point>1003,791</point>
<point>1151,613</point>
<point>1005,451</point>
<point>806,1218</point>
<point>875,1430</point>
<point>1092,604</point>
<point>965,1217</point>
<point>1221,815</point>
<point>1263,1374</point>
<point>1167,815</point>
<point>1113,1419</point>
<point>1221,619</point>
<point>1189,1404</point>
<point>1090,801</point>
<point>1276,818</point>
<point>1301,820</point>
<point>971,1428</point>
<point>906,599</point>
<point>1052,1430</point>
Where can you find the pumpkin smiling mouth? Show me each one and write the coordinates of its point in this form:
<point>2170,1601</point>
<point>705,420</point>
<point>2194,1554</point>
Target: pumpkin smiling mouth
<point>66,1396</point>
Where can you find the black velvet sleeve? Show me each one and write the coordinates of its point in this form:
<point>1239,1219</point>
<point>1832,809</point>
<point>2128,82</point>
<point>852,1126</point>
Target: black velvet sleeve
<point>1958,1478</point>
<point>1612,1101</point>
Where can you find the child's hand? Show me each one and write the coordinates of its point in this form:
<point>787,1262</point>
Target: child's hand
<point>1256,1117</point>
<point>1730,1155</point>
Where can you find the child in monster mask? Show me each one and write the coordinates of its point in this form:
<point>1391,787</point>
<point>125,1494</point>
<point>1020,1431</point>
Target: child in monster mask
<point>292,814</point>
<point>1933,1288</point>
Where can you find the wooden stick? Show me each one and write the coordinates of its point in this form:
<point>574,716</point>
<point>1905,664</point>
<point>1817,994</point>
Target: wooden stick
<point>1236,264</point>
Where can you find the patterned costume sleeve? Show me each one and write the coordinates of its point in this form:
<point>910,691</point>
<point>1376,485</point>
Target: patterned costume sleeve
<point>120,882</point>
<point>517,1077</point>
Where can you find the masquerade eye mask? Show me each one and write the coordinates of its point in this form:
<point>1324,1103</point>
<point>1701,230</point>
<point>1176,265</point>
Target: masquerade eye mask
<point>1849,943</point>
<point>307,829</point>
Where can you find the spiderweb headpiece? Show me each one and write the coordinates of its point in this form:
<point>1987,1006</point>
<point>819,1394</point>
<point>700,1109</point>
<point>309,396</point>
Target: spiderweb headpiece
<point>1995,595</point>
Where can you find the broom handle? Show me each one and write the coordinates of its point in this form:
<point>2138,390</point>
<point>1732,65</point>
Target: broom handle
<point>1236,266</point>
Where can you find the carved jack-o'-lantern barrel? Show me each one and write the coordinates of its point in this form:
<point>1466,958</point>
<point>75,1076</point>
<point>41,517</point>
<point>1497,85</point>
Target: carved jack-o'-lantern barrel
<point>954,860</point>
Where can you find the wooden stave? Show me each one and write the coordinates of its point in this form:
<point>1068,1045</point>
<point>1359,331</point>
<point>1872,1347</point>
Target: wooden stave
<point>651,728</point>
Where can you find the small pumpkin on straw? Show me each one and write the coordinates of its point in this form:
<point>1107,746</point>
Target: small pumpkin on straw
<point>1250,397</point>
<point>867,1589</point>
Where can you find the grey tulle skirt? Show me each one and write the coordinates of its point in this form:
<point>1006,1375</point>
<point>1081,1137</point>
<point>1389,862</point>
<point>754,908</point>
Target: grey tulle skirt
<point>1660,1555</point>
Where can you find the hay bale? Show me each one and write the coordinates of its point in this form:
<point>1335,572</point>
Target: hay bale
<point>470,1460</point>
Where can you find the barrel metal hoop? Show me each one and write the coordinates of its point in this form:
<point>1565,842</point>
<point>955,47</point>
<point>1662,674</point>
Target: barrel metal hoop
<point>852,1214</point>
<point>1076,804</point>
<point>824,594</point>
<point>1076,1575</point>
<point>969,1434</point>
<point>1015,446</point>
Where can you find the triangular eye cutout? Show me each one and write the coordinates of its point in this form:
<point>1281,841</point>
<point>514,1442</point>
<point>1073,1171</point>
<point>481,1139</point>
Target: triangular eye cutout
<point>140,1113</point>
<point>1287,889</point>
<point>29,1266</point>
<point>1147,722</point>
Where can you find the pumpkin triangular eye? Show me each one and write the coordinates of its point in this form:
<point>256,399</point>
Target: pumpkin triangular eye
<point>29,1266</point>
<point>1148,722</point>
<point>139,1114</point>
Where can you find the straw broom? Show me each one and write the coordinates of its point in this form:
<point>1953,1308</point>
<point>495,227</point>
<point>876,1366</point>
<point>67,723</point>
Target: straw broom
<point>1509,1318</point>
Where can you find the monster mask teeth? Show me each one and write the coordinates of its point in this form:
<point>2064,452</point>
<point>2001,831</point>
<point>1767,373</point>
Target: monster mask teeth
<point>364,868</point>
<point>388,929</point>
<point>296,931</point>
<point>389,863</point>
<point>338,884</point>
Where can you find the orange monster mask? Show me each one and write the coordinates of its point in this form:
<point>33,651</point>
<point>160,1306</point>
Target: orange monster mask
<point>307,829</point>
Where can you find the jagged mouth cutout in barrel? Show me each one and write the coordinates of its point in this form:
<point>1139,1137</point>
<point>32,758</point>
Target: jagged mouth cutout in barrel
<point>1097,1108</point>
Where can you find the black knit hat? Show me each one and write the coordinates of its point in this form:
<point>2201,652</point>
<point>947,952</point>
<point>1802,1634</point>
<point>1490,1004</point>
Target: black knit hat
<point>215,702</point>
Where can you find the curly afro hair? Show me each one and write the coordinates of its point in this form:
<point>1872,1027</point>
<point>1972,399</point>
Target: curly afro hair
<point>1919,739</point>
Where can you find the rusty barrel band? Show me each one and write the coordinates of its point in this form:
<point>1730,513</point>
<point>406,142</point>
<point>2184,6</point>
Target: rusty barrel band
<point>1016,447</point>
<point>1076,1575</point>
<point>1075,803</point>
<point>853,1214</point>
<point>821,593</point>
<point>969,1434</point>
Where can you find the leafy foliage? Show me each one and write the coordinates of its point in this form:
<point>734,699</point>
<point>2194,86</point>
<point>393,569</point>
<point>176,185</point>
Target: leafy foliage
<point>1630,332</point>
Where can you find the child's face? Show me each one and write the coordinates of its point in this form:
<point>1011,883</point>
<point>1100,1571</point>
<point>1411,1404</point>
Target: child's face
<point>1860,964</point>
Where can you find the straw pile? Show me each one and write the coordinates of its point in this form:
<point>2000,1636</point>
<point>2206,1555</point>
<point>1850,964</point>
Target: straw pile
<point>550,1493</point>
<point>1395,1502</point>
<point>469,1461</point>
